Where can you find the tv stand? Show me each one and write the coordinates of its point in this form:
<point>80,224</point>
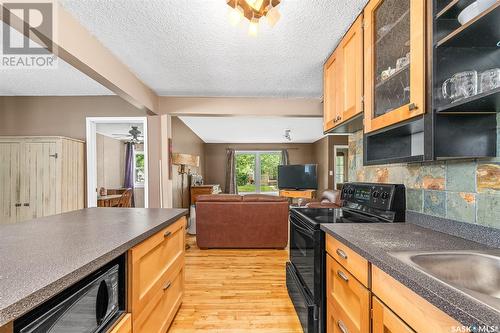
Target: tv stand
<point>305,194</point>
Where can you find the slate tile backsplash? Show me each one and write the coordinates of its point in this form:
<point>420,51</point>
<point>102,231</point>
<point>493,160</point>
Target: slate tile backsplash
<point>465,190</point>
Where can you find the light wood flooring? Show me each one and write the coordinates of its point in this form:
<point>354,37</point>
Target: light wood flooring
<point>231,291</point>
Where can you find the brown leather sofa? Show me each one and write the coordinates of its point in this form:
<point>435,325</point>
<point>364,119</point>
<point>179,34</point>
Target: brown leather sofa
<point>328,199</point>
<point>234,221</point>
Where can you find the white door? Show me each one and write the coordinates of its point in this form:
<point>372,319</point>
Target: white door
<point>10,203</point>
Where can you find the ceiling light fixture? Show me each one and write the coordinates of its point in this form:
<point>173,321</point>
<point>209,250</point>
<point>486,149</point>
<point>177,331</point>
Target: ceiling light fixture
<point>253,11</point>
<point>287,135</point>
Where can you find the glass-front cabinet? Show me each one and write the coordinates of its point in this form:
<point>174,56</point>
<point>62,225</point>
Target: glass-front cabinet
<point>394,43</point>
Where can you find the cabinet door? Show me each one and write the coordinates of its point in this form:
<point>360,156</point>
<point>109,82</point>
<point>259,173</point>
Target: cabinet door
<point>332,92</point>
<point>351,49</point>
<point>9,182</point>
<point>38,180</point>
<point>385,321</point>
<point>394,43</point>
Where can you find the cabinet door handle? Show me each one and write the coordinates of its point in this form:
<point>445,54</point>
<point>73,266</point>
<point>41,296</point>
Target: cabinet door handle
<point>169,283</point>
<point>17,205</point>
<point>167,234</point>
<point>342,327</point>
<point>413,106</point>
<point>342,254</point>
<point>343,276</point>
<point>26,204</point>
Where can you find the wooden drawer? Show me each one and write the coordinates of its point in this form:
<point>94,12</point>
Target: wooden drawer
<point>124,325</point>
<point>160,311</point>
<point>385,321</point>
<point>149,263</point>
<point>348,297</point>
<point>421,315</point>
<point>353,262</point>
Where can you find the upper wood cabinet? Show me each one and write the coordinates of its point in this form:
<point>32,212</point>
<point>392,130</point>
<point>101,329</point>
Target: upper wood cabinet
<point>343,73</point>
<point>394,45</point>
<point>331,99</point>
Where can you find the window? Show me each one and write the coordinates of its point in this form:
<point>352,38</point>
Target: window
<point>341,154</point>
<point>257,172</point>
<point>139,174</point>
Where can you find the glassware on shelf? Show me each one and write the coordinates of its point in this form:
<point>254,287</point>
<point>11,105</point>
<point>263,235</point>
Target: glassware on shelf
<point>489,80</point>
<point>460,85</point>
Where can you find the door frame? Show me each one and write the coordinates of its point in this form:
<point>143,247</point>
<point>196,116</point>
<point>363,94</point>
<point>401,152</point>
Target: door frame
<point>335,147</point>
<point>91,123</point>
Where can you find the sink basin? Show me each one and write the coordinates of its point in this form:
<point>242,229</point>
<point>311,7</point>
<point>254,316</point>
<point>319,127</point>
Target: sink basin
<point>475,273</point>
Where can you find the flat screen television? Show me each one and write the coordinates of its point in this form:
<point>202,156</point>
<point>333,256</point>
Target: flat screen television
<point>298,177</point>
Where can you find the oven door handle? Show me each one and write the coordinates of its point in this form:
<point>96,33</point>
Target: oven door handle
<point>301,229</point>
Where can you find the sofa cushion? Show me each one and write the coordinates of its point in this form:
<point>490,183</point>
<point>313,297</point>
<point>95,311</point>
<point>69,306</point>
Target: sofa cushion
<point>219,198</point>
<point>263,198</point>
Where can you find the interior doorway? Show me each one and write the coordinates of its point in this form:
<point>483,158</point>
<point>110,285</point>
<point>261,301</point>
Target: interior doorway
<point>341,155</point>
<point>117,161</point>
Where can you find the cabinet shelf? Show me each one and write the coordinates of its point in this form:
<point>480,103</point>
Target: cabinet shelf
<point>454,8</point>
<point>396,74</point>
<point>482,31</point>
<point>394,25</point>
<point>487,102</point>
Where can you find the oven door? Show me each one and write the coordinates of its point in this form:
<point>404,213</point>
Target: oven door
<point>306,309</point>
<point>303,247</point>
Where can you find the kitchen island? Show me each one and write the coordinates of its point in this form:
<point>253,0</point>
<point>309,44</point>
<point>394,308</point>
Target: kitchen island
<point>42,257</point>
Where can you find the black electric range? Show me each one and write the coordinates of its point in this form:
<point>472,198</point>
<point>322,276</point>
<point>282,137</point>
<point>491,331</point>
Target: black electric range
<point>305,273</point>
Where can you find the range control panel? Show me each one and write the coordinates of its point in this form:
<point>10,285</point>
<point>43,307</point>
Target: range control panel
<point>385,197</point>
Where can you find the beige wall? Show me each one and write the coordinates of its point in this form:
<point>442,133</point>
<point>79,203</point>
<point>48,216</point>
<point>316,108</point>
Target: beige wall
<point>66,116</point>
<point>215,157</point>
<point>110,162</point>
<point>185,141</point>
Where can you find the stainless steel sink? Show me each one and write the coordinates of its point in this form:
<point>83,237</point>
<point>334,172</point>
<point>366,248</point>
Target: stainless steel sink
<point>475,273</point>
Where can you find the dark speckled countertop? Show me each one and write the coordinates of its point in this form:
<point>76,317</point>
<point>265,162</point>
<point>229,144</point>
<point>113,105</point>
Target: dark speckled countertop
<point>42,257</point>
<point>375,242</point>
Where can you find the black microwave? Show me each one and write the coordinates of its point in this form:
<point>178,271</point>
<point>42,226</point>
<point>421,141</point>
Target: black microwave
<point>91,305</point>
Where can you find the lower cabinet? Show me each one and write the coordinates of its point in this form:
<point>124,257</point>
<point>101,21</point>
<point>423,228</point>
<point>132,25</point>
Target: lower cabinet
<point>394,308</point>
<point>385,321</point>
<point>156,279</point>
<point>123,326</point>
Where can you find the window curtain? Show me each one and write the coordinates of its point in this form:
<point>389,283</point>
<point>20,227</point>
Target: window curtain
<point>231,187</point>
<point>284,157</point>
<point>129,169</point>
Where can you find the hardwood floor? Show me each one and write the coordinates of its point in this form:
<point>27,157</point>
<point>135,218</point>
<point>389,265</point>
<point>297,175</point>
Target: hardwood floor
<point>235,291</point>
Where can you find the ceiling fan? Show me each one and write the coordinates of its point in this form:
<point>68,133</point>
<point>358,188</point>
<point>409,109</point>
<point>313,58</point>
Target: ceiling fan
<point>135,136</point>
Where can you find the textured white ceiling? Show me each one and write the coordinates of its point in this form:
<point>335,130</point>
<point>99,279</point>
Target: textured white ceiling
<point>188,47</point>
<point>64,80</point>
<point>255,129</point>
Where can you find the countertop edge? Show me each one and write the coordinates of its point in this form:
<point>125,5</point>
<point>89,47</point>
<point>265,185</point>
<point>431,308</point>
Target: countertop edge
<point>26,304</point>
<point>410,283</point>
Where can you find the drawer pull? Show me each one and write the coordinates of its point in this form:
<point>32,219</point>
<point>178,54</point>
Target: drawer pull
<point>342,327</point>
<point>169,283</point>
<point>342,254</point>
<point>167,234</point>
<point>343,276</point>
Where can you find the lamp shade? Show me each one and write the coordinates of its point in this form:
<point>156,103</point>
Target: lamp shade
<point>185,159</point>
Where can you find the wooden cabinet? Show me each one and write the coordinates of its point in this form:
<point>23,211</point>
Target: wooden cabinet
<point>348,299</point>
<point>343,79</point>
<point>353,262</point>
<point>394,44</point>
<point>198,190</point>
<point>123,326</point>
<point>156,279</point>
<point>385,321</point>
<point>421,315</point>
<point>40,176</point>
<point>332,89</point>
